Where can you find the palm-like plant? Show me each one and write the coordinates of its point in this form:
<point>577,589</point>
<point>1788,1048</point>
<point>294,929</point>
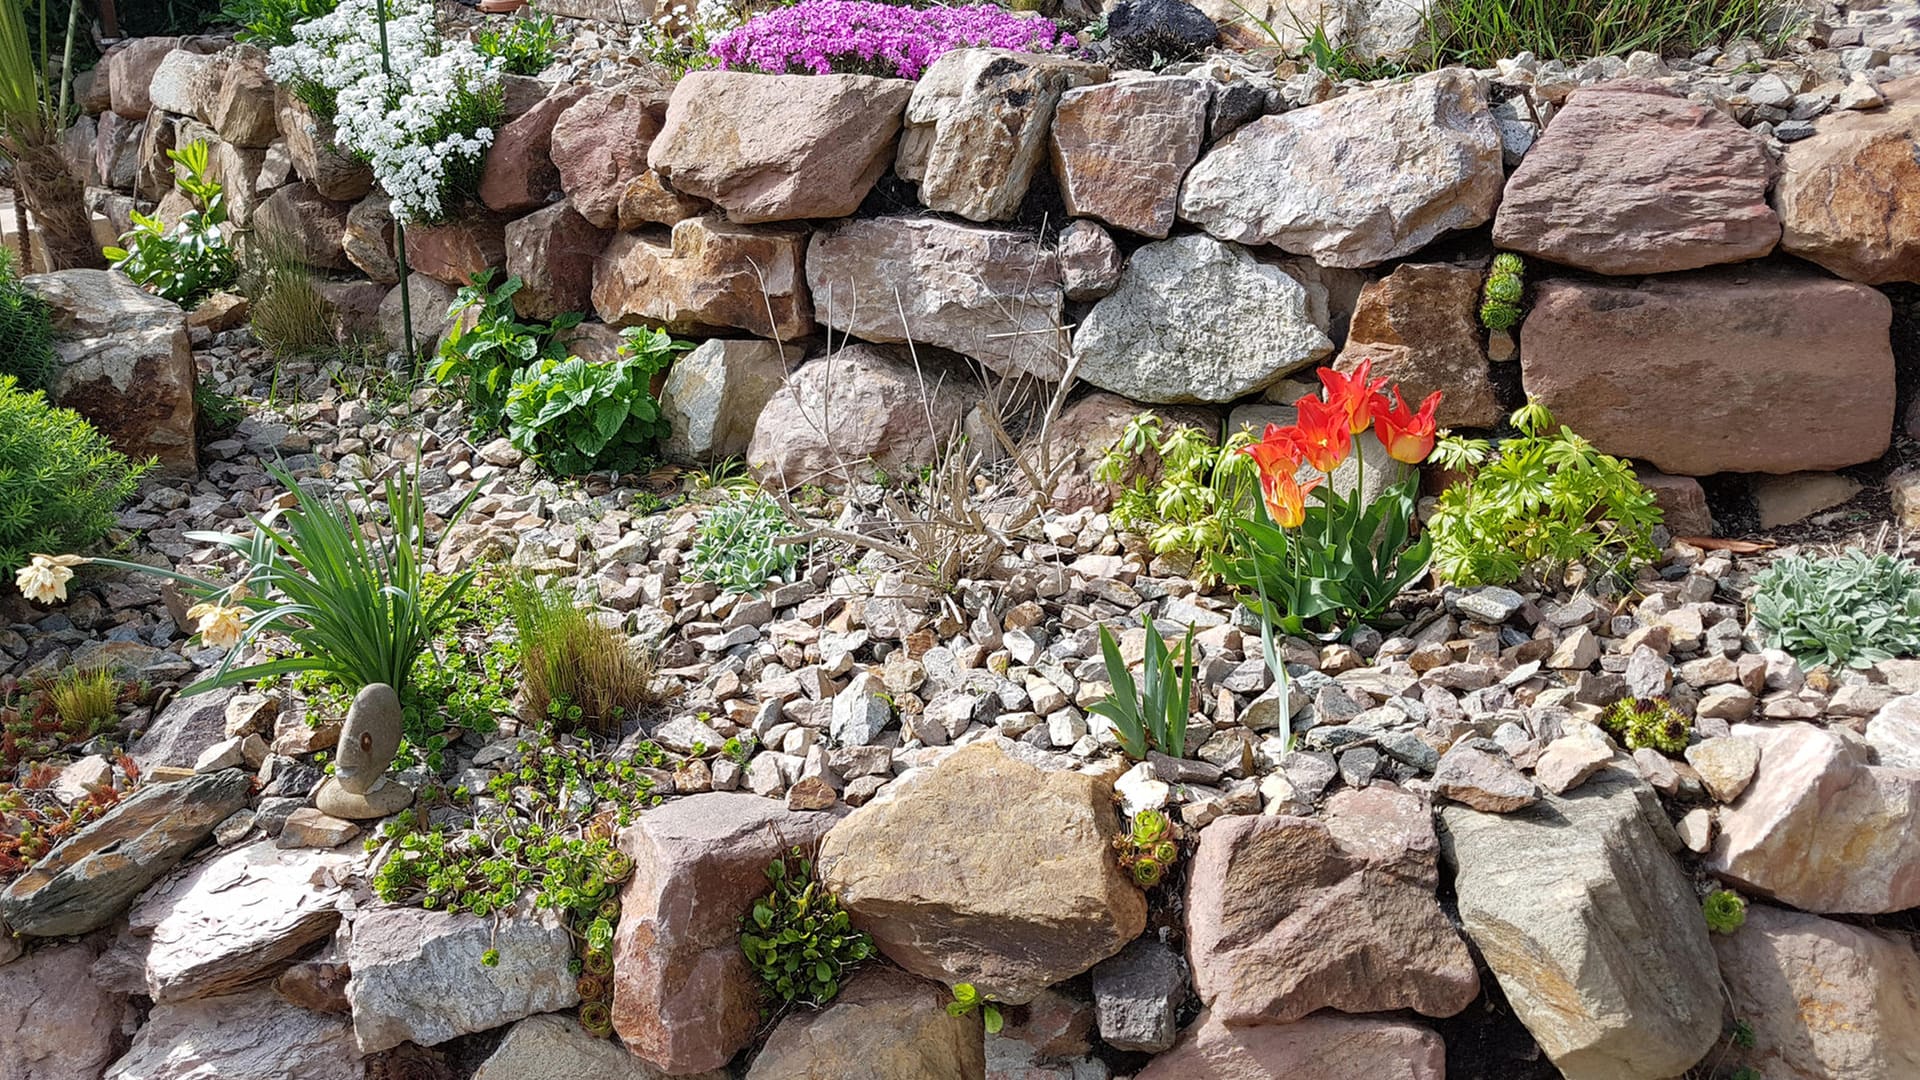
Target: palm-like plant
<point>33,111</point>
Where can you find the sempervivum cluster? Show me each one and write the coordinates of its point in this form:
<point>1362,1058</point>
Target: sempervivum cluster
<point>863,37</point>
<point>412,127</point>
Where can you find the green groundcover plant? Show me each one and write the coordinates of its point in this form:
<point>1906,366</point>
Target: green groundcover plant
<point>575,416</point>
<point>1846,610</point>
<point>797,937</point>
<point>737,545</point>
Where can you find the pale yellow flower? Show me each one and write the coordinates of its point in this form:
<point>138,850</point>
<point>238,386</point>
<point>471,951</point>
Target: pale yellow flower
<point>44,580</point>
<point>218,625</point>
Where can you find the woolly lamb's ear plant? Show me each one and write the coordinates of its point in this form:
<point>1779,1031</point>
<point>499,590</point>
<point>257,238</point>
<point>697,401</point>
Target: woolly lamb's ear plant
<point>737,545</point>
<point>1846,610</point>
<point>359,610</point>
<point>1155,715</point>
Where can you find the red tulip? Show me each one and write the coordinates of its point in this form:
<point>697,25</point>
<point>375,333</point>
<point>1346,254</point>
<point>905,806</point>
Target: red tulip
<point>1353,394</point>
<point>1407,435</point>
<point>1286,499</point>
<point>1324,437</point>
<point>1278,451</point>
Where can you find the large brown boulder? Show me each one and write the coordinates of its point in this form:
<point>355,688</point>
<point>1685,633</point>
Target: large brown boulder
<point>707,276</point>
<point>779,147</point>
<point>310,226</point>
<point>684,999</point>
<point>242,109</point>
<point>1120,149</point>
<point>315,157</point>
<point>991,294</point>
<point>367,241</point>
<point>1324,1047</point>
<point>553,251</point>
<point>126,363</point>
<point>1631,178</point>
<point>1824,998</point>
<point>518,173</point>
<point>1762,369</point>
<point>87,880</point>
<point>976,127</point>
<point>56,1021</point>
<point>1849,197</point>
<point>1028,893</point>
<point>456,250</point>
<point>1420,327</point>
<point>885,1025</point>
<point>598,145</point>
<point>858,408</point>
<point>130,74</point>
<point>1086,429</point>
<point>1289,915</point>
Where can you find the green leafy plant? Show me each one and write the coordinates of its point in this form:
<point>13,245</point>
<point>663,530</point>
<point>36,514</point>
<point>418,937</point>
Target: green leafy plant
<point>85,697</point>
<point>270,22</point>
<point>1725,911</point>
<point>1743,1035</point>
<point>525,47</point>
<point>1505,287</point>
<point>26,331</point>
<point>577,672</point>
<point>1155,715</point>
<point>798,939</point>
<point>1846,610</point>
<point>285,310</point>
<point>1546,499</point>
<point>737,545</point>
<point>1178,487</point>
<point>1480,32</point>
<point>575,417</point>
<point>1149,848</point>
<point>187,262</point>
<point>1648,723</point>
<point>966,999</point>
<point>60,480</point>
<point>219,412</point>
<point>482,358</point>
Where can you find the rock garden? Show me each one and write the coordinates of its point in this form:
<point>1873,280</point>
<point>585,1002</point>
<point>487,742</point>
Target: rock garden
<point>1080,540</point>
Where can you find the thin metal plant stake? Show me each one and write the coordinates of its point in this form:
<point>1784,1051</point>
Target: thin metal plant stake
<point>399,225</point>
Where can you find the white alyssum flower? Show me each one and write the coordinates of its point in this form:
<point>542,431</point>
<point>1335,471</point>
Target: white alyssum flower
<point>404,124</point>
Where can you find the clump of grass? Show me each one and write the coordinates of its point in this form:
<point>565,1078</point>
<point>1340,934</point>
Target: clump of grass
<point>1479,32</point>
<point>85,698</point>
<point>579,674</point>
<point>287,314</point>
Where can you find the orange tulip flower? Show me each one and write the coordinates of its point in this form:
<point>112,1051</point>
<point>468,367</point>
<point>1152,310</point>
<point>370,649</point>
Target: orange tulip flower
<point>1278,451</point>
<point>1353,394</point>
<point>1407,434</point>
<point>1324,437</point>
<point>1286,499</point>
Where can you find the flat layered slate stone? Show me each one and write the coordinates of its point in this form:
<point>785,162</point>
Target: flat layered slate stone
<point>1026,895</point>
<point>1591,927</point>
<point>1121,149</point>
<point>779,147</point>
<point>1194,320</point>
<point>56,1021</point>
<point>1289,915</point>
<point>555,1047</point>
<point>1631,178</point>
<point>1764,368</point>
<point>1847,195</point>
<point>684,998</point>
<point>1820,826</point>
<point>253,1034</point>
<point>91,877</point>
<point>417,976</point>
<point>237,918</point>
<point>1358,180</point>
<point>1825,998</point>
<point>1327,1046</point>
<point>884,1025</point>
<point>992,294</point>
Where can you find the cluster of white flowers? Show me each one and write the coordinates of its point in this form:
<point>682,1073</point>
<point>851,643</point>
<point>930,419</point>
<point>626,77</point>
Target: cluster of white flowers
<point>398,125</point>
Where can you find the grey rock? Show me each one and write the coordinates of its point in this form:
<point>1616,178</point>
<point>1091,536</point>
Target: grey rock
<point>252,1034</point>
<point>860,712</point>
<point>556,1048</point>
<point>57,1022</point>
<point>184,730</point>
<point>1137,995</point>
<point>369,738</point>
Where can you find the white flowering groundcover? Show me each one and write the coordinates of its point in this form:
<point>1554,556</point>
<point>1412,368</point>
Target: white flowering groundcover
<point>425,129</point>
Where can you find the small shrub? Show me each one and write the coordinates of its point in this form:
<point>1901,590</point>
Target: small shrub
<point>26,331</point>
<point>967,998</point>
<point>866,37</point>
<point>1200,487</point>
<point>1846,610</point>
<point>1149,848</point>
<point>267,23</point>
<point>60,480</point>
<point>525,47</point>
<point>1504,289</point>
<point>578,673</point>
<point>187,262</point>
<point>1648,723</point>
<point>1725,910</point>
<point>1547,499</point>
<point>736,545</point>
<point>575,417</point>
<point>798,939</point>
<point>481,361</point>
<point>1154,716</point>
